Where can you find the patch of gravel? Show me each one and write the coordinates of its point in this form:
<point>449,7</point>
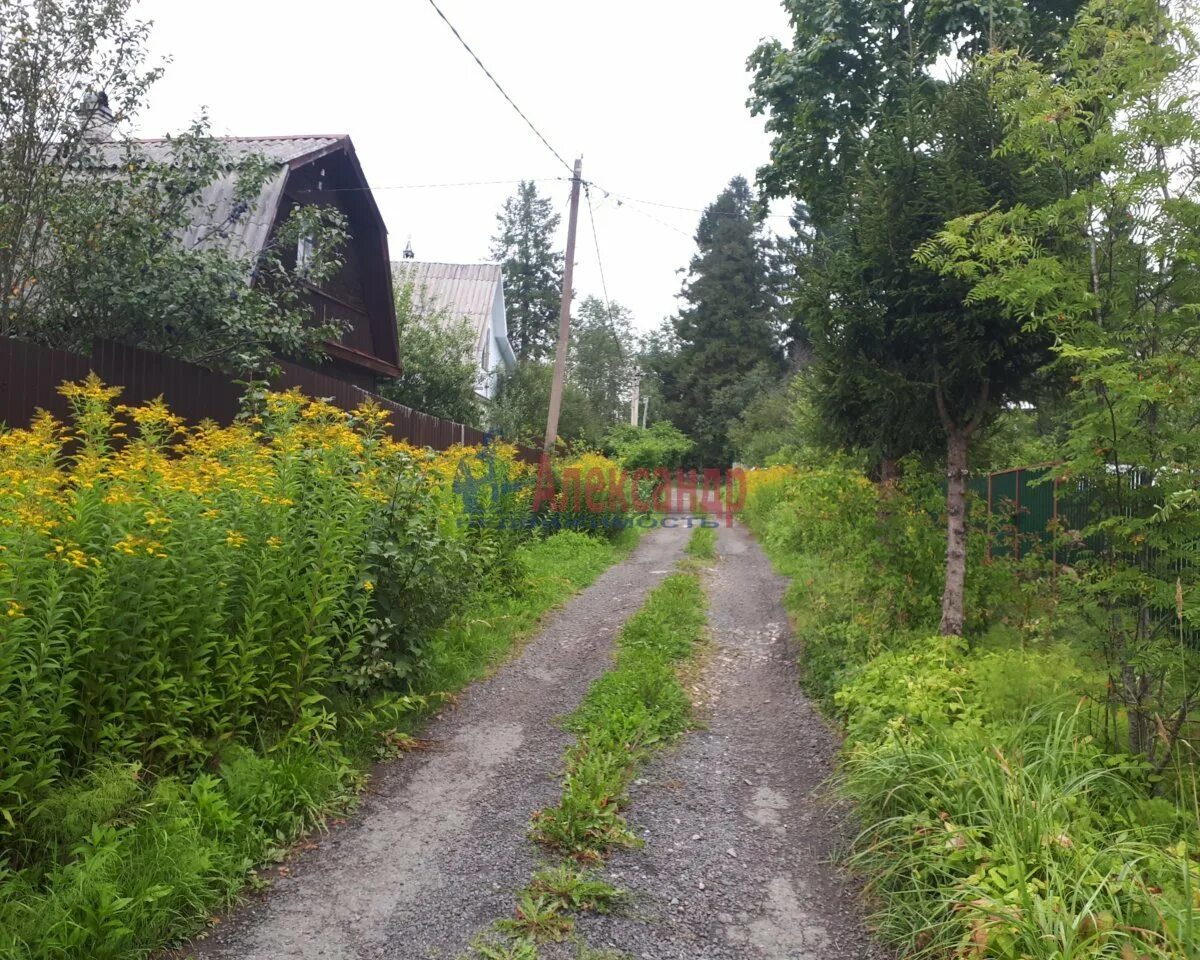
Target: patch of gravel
<point>436,849</point>
<point>738,822</point>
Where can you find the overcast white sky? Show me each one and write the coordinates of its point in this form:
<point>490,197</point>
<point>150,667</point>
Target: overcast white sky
<point>650,92</point>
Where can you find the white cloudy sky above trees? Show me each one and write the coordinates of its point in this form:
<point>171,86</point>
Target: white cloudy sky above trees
<point>650,92</point>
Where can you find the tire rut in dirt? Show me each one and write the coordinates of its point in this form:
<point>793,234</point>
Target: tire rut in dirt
<point>439,844</point>
<point>738,822</point>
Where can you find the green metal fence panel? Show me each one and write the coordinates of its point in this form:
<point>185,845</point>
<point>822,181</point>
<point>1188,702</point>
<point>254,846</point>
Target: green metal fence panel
<point>1034,508</point>
<point>1035,518</point>
<point>1005,513</point>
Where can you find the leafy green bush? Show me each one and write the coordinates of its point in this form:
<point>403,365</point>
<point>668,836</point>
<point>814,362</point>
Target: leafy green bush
<point>997,824</point>
<point>659,445</point>
<point>591,495</point>
<point>202,633</point>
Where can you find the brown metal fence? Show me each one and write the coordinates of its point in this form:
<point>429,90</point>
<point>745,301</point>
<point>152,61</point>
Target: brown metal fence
<point>30,376</point>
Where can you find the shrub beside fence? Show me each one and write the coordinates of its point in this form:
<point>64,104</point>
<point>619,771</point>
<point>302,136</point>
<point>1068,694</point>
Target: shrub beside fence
<point>1026,500</point>
<point>30,375</point>
<point>1034,504</point>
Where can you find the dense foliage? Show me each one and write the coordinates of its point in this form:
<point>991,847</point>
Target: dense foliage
<point>660,445</point>
<point>1107,264</point>
<point>602,357</point>
<point>888,153</point>
<point>1004,814</point>
<point>522,397</point>
<point>206,631</point>
<point>440,374</point>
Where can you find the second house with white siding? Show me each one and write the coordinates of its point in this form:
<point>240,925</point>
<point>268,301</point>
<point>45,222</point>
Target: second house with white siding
<point>474,291</point>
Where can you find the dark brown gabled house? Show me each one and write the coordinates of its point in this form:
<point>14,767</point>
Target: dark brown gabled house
<point>312,169</point>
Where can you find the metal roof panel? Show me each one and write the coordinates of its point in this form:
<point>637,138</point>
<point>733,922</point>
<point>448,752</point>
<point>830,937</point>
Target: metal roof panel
<point>462,289</point>
<point>211,225</point>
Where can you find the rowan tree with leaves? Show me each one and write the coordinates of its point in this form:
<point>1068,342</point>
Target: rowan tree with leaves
<point>1109,265</point>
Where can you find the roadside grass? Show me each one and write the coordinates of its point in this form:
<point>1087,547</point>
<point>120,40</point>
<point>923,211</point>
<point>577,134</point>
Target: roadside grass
<point>997,819</point>
<point>634,708</point>
<point>1029,838</point>
<point>135,862</point>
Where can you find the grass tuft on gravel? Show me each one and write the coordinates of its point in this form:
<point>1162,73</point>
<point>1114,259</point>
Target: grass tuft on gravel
<point>703,544</point>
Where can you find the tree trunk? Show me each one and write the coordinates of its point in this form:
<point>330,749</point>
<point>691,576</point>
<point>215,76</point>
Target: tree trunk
<point>889,472</point>
<point>957,440</point>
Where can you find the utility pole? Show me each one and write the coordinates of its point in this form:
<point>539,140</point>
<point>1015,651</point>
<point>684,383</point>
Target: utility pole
<point>635,402</point>
<point>564,317</point>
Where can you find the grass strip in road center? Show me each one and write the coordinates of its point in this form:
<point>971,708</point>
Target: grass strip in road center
<point>631,709</point>
<point>637,706</point>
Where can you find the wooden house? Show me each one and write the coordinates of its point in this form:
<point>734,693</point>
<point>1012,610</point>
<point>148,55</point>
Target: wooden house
<point>311,169</point>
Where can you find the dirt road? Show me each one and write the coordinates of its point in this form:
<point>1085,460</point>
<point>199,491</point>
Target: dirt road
<point>737,833</point>
<point>738,827</point>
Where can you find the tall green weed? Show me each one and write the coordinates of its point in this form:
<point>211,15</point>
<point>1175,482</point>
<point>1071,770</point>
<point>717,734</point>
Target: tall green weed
<point>998,822</point>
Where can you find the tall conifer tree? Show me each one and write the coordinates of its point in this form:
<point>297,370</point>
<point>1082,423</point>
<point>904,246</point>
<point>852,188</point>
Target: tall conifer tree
<point>881,148</point>
<point>524,245</point>
<point>728,341</point>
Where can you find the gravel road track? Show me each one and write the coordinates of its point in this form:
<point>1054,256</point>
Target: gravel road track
<point>436,849</point>
<point>738,822</point>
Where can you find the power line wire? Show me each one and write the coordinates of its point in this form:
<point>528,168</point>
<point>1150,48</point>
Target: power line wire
<point>599,262</point>
<point>675,206</point>
<point>432,186</point>
<point>622,205</point>
<point>496,83</point>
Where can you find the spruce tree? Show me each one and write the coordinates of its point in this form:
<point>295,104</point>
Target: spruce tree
<point>728,343</point>
<point>524,245</point>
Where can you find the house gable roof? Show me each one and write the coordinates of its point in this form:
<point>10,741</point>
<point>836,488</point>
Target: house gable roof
<point>220,221</point>
<point>222,225</point>
<point>463,289</point>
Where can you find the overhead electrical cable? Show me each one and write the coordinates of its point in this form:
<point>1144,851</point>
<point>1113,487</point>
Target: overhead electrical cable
<point>496,83</point>
<point>675,206</point>
<point>437,186</point>
<point>622,205</point>
<point>587,192</point>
